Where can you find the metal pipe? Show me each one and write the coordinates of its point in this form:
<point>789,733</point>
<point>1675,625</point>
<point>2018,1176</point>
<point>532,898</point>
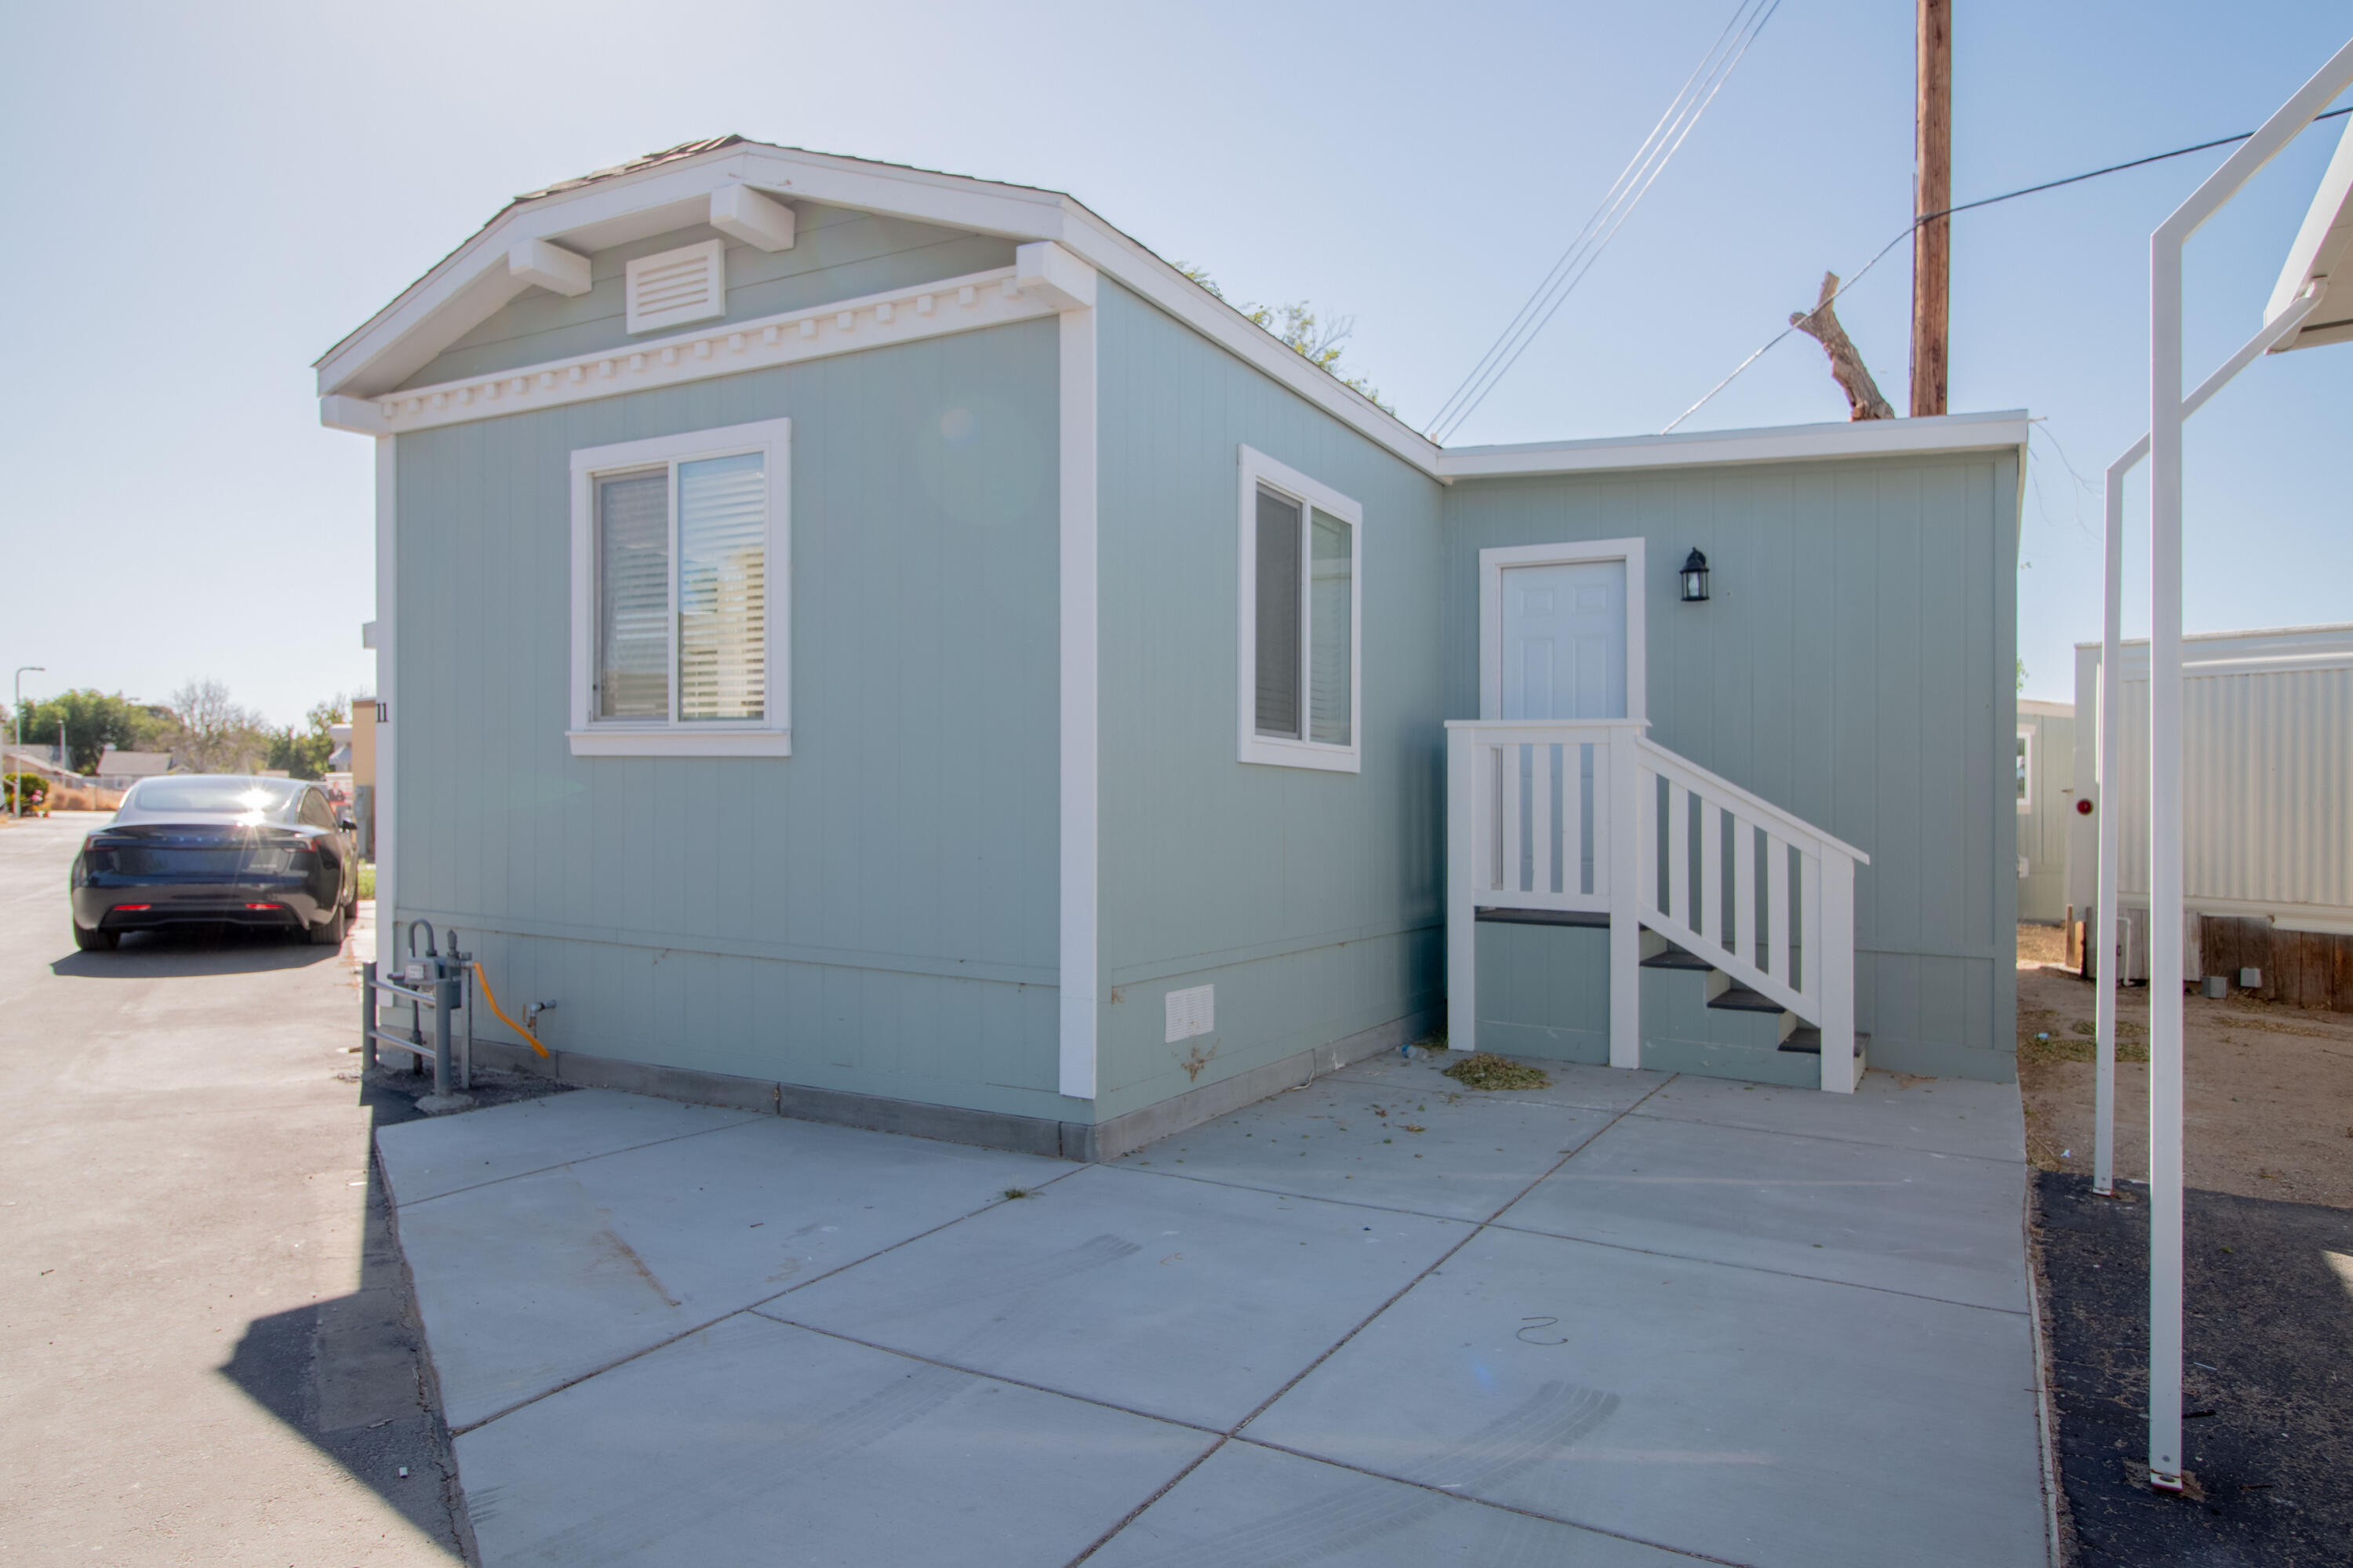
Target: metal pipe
<point>2106,911</point>
<point>442,997</point>
<point>367,1017</point>
<point>2164,977</point>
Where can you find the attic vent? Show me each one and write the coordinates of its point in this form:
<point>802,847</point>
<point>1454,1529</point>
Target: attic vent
<point>678,286</point>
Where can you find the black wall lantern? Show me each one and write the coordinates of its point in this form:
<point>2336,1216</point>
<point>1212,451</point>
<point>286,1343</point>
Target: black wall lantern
<point>1694,575</point>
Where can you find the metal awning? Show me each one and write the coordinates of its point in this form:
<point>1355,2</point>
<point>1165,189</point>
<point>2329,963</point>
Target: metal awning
<point>2322,247</point>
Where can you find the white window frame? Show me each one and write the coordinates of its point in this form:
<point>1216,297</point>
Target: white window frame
<point>1258,470</point>
<point>771,736</point>
<point>2026,799</point>
<point>1495,562</point>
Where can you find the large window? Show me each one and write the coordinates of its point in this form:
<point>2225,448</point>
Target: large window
<point>1300,617</point>
<point>679,595</point>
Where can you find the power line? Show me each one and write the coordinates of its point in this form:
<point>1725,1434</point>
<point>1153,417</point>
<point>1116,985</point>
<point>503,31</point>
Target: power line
<point>1633,182</point>
<point>1967,207</point>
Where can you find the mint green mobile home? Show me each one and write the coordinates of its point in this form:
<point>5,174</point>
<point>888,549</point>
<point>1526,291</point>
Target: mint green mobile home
<point>887,648</point>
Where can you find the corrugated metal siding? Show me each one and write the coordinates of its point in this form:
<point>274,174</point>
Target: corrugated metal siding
<point>1310,899</point>
<point>876,913</point>
<point>2267,788</point>
<point>837,254</point>
<point>1854,667</point>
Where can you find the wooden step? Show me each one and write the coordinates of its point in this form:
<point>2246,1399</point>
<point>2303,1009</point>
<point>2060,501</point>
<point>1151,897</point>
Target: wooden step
<point>1674,958</point>
<point>1589,917</point>
<point>1807,1040</point>
<point>1738,998</point>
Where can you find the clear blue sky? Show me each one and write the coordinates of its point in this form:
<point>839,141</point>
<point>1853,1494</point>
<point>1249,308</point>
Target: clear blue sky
<point>205,198</point>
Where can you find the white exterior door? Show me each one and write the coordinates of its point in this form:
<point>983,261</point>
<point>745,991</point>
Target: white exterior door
<point>1564,640</point>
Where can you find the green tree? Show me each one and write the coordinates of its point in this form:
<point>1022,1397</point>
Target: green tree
<point>212,734</point>
<point>1302,330</point>
<point>303,749</point>
<point>93,721</point>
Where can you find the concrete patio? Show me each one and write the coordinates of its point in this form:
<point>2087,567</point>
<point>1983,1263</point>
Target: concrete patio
<point>1630,1319</point>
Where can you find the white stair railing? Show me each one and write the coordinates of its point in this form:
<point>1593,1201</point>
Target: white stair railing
<point>1592,817</point>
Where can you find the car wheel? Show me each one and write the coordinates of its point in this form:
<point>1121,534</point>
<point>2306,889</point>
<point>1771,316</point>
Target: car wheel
<point>95,941</point>
<point>329,933</point>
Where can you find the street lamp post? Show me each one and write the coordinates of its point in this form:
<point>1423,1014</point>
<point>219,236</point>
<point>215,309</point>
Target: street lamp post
<point>17,714</point>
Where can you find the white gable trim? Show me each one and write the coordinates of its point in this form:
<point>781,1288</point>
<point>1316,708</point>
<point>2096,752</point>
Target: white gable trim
<point>845,326</point>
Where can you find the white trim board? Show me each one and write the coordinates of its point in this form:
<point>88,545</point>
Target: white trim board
<point>1786,443</point>
<point>1493,562</point>
<point>1255,469</point>
<point>843,326</point>
<point>1078,943</point>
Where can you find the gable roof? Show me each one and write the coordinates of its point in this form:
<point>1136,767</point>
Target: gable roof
<point>2321,249</point>
<point>672,189</point>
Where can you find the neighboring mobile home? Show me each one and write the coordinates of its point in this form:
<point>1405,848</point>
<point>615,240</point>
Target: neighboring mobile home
<point>888,647</point>
<point>2267,809</point>
<point>2046,806</point>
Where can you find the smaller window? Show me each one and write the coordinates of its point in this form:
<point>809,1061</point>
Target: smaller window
<point>2025,771</point>
<point>1301,620</point>
<point>314,811</point>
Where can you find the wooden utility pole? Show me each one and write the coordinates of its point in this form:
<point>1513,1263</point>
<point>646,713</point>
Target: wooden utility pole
<point>1932,183</point>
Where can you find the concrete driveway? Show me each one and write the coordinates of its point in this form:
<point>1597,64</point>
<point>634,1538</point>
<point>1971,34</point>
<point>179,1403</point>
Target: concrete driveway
<point>205,1356</point>
<point>1631,1320</point>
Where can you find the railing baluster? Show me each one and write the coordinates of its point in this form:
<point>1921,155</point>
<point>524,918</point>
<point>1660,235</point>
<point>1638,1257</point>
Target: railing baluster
<point>1678,855</point>
<point>1646,839</point>
<point>1710,923</point>
<point>1540,817</point>
<point>1808,980</point>
<point>1513,795</point>
<point>1605,862</point>
<point>1776,881</point>
<point>1572,817</point>
<point>1742,938</point>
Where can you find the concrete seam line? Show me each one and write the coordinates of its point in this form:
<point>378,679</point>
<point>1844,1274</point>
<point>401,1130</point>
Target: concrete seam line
<point>1100,1542</point>
<point>583,1160</point>
<point>1487,1502</point>
<point>1820,1136</point>
<point>2045,1420</point>
<point>731,1312</point>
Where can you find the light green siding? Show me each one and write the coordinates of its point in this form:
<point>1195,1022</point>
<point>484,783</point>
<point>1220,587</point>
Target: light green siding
<point>1853,667</point>
<point>876,913</point>
<point>837,254</point>
<point>2043,827</point>
<point>1309,899</point>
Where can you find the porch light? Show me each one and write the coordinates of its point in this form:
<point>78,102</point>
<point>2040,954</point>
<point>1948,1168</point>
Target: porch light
<point>1695,576</point>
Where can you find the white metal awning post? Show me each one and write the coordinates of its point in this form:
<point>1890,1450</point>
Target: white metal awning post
<point>2107,924</point>
<point>2165,976</point>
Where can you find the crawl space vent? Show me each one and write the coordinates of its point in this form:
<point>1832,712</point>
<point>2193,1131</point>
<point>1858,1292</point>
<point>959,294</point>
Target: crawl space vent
<point>688,284</point>
<point>1193,1011</point>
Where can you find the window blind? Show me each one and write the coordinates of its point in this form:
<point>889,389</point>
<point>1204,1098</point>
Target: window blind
<point>633,597</point>
<point>1331,679</point>
<point>722,587</point>
<point>1278,611</point>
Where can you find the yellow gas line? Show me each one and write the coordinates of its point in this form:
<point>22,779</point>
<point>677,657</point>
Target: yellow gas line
<point>493,998</point>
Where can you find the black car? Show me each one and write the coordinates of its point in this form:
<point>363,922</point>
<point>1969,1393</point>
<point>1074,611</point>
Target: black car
<point>188,847</point>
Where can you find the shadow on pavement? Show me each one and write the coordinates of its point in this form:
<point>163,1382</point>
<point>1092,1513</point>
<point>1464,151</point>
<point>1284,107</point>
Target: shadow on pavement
<point>2268,1315</point>
<point>191,950</point>
<point>351,1374</point>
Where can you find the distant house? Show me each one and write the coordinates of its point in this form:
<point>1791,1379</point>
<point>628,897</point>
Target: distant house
<point>2267,807</point>
<point>129,767</point>
<point>2046,803</point>
<point>888,647</point>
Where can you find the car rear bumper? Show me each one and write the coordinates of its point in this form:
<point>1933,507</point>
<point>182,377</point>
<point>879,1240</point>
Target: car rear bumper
<point>259,901</point>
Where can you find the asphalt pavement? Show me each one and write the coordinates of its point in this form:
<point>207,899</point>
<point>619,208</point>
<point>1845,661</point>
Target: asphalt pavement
<point>207,1351</point>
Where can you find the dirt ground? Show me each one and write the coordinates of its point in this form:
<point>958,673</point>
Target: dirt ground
<point>2268,1092</point>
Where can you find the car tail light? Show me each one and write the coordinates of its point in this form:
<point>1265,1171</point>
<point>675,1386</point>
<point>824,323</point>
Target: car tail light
<point>131,908</point>
<point>264,907</point>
